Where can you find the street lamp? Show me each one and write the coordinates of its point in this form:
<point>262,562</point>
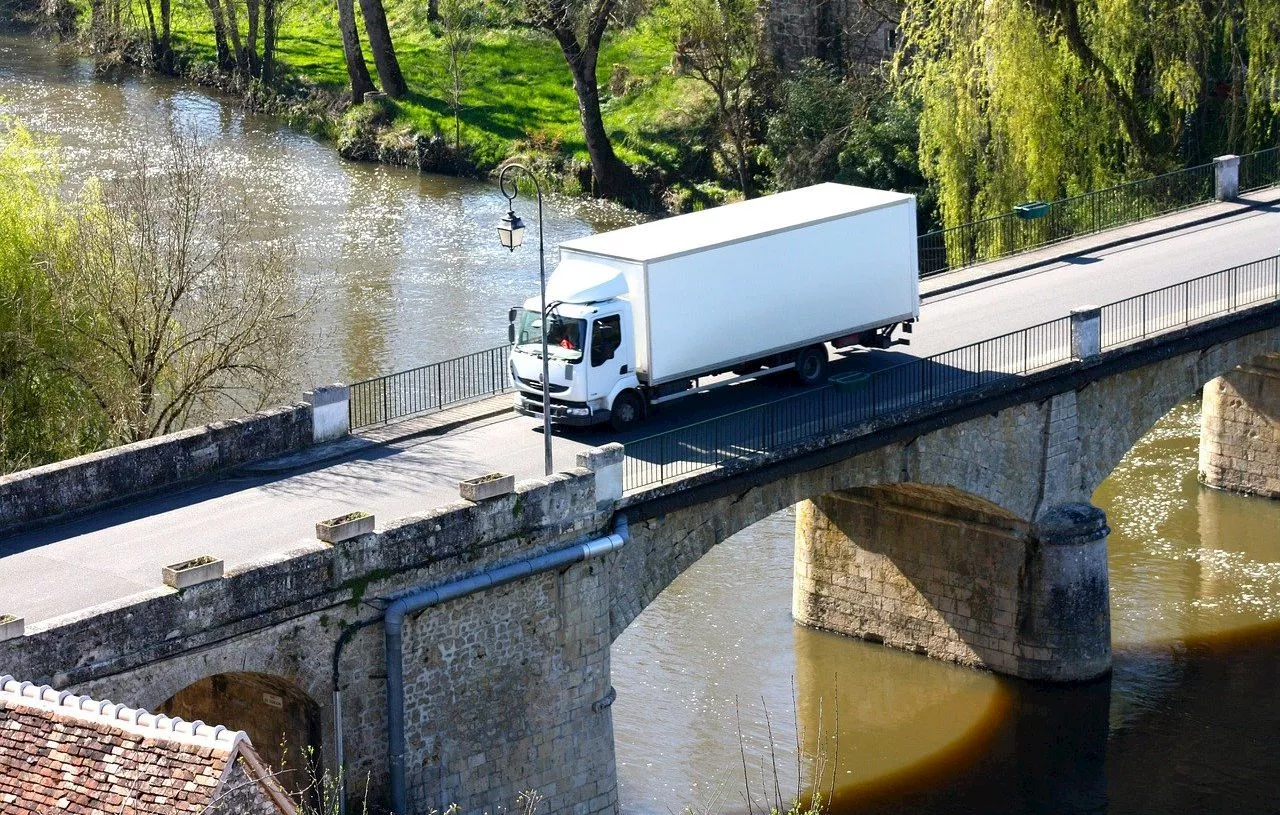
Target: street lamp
<point>511,235</point>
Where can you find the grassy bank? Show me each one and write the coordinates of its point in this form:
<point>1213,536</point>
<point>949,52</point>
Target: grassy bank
<point>519,98</point>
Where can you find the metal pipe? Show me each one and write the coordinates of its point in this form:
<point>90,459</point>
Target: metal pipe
<point>420,599</point>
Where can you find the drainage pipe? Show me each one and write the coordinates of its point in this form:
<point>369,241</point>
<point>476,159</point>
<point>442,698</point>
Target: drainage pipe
<point>420,599</point>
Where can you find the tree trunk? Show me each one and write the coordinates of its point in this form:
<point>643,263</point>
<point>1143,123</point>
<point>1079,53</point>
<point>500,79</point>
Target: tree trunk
<point>166,35</point>
<point>613,178</point>
<point>270,14</point>
<point>384,52</point>
<point>225,62</point>
<point>361,82</point>
<point>233,29</point>
<point>251,37</point>
<point>433,10</point>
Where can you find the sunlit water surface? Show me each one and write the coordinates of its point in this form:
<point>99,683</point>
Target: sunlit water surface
<point>713,677</point>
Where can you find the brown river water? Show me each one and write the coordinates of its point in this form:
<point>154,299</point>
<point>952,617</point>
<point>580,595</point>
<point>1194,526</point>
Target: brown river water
<point>405,269</point>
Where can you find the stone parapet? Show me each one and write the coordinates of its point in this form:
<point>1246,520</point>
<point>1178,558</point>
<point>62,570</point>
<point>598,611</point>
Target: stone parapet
<point>131,470</point>
<point>1240,429</point>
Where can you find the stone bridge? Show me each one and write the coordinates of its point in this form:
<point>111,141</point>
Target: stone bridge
<point>462,656</point>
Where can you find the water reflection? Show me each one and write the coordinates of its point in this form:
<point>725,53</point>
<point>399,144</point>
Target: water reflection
<point>1187,722</point>
<point>404,269</point>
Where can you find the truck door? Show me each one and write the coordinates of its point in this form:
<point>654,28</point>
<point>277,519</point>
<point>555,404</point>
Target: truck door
<point>610,358</point>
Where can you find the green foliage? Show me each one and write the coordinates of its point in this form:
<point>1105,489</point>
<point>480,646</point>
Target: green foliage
<point>1036,100</point>
<point>815,113</point>
<point>42,408</point>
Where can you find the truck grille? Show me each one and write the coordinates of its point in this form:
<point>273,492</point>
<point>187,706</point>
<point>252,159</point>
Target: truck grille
<point>535,385</point>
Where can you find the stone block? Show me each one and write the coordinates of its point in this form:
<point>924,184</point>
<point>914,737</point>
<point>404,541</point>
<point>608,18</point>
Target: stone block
<point>330,412</point>
<point>11,627</point>
<point>485,487</point>
<point>1226,177</point>
<point>199,570</point>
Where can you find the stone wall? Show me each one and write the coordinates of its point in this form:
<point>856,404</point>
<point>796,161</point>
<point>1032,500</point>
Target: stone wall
<point>135,469</point>
<point>839,32</point>
<point>937,572</point>
<point>1240,429</point>
<point>506,690</point>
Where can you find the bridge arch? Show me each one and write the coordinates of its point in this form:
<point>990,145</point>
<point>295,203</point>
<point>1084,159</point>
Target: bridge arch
<point>282,720</point>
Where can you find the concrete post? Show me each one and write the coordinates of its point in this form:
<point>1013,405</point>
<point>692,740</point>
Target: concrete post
<point>1226,177</point>
<point>1240,429</point>
<point>330,418</point>
<point>1064,612</point>
<point>606,463</point>
<point>1086,332</point>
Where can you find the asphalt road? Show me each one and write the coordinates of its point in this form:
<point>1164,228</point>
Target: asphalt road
<point>109,555</point>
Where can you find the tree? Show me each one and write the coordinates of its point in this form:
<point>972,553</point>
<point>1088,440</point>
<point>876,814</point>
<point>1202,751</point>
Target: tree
<point>176,311</point>
<point>719,41</point>
<point>815,113</point>
<point>579,26</point>
<point>459,21</point>
<point>1038,99</point>
<point>384,51</point>
<point>357,71</point>
<point>44,415</point>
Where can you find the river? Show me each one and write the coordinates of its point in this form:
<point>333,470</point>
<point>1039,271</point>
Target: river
<point>406,269</point>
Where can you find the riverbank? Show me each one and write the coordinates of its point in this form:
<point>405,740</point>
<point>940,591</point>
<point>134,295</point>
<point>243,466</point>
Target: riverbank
<point>517,101</point>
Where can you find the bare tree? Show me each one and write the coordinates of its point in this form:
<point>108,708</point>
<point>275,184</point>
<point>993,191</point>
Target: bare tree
<point>459,22</point>
<point>189,315</point>
<point>719,42</point>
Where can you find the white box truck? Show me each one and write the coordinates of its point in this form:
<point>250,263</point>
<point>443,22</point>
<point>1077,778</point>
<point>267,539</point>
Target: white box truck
<point>643,315</point>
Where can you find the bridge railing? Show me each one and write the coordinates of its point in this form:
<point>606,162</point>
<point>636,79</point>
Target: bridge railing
<point>997,237</point>
<point>1260,169</point>
<point>1183,304</point>
<point>429,388</point>
<point>807,417</point>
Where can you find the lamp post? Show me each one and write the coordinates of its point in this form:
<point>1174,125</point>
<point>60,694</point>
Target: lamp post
<point>511,235</point>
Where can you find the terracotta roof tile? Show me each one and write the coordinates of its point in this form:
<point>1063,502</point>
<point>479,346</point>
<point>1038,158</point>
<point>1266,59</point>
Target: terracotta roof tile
<point>65,753</point>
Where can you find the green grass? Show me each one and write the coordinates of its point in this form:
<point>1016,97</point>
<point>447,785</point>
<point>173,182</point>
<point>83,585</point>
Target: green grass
<point>519,89</point>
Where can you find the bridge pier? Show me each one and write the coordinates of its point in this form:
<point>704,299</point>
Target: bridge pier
<point>1240,429</point>
<point>941,573</point>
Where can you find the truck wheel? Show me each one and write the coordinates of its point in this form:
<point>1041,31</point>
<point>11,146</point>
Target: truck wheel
<point>811,365</point>
<point>627,412</point>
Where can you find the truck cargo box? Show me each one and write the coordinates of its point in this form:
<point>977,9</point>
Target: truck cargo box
<point>740,282</point>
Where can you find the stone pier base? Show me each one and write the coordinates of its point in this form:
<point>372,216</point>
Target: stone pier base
<point>941,573</point>
<point>1240,429</point>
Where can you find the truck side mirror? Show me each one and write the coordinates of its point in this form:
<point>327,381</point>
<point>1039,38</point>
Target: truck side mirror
<point>511,325</point>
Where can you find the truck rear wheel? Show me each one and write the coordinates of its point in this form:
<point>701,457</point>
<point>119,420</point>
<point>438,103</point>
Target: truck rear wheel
<point>627,412</point>
<point>811,365</point>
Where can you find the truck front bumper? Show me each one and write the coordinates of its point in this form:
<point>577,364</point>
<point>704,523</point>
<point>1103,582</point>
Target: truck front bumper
<point>572,415</point>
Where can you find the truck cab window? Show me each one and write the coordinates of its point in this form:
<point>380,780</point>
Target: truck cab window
<point>606,336</point>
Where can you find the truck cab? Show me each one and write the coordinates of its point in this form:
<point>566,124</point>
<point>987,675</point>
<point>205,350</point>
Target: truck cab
<point>590,355</point>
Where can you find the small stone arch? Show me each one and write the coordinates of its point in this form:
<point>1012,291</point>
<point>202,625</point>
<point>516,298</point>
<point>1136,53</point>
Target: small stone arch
<point>1116,412</point>
<point>282,721</point>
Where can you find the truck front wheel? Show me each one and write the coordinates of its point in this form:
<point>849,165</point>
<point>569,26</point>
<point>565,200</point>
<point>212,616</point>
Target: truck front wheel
<point>811,364</point>
<point>627,412</point>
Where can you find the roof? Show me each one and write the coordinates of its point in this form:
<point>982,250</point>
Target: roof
<point>731,223</point>
<point>60,752</point>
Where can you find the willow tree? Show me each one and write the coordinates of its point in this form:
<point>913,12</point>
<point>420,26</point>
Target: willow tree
<point>1029,99</point>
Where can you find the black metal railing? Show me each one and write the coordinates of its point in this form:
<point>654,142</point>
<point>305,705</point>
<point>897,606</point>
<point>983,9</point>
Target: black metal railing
<point>1180,305</point>
<point>429,388</point>
<point>855,399</point>
<point>1000,236</point>
<point>1260,169</point>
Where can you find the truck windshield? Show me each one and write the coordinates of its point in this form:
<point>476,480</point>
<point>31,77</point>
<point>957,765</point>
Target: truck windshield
<point>564,335</point>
